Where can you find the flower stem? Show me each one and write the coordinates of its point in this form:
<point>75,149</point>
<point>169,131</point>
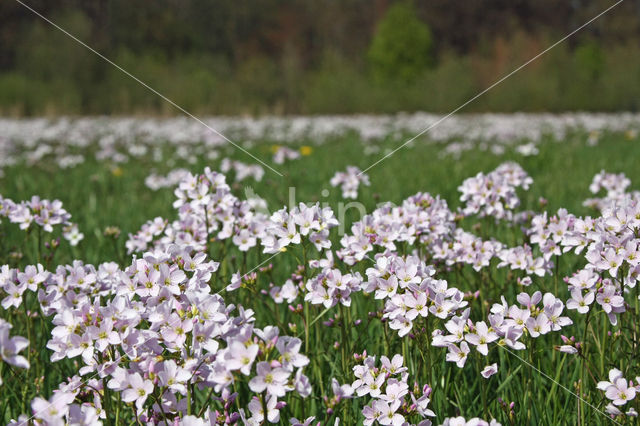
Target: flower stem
<point>343,344</point>
<point>189,399</point>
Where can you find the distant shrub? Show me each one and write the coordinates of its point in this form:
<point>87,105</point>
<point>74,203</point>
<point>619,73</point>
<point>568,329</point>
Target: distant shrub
<point>18,95</point>
<point>338,87</point>
<point>590,59</point>
<point>401,47</point>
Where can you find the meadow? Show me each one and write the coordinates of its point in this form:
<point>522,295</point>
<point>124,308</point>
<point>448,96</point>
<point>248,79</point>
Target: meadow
<point>483,274</point>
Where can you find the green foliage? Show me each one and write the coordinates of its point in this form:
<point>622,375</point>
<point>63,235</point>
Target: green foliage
<point>54,75</point>
<point>402,45</point>
<point>58,66</point>
<point>590,59</point>
<point>337,86</point>
<point>19,95</point>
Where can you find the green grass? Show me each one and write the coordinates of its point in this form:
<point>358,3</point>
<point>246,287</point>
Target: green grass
<point>97,197</point>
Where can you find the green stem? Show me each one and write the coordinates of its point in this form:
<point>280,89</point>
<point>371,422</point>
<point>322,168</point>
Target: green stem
<point>28,325</point>
<point>306,327</point>
<point>583,350</point>
<point>107,404</point>
<point>637,316</point>
<point>117,250</point>
<point>118,409</point>
<point>343,344</point>
<point>555,277</point>
<point>204,406</point>
<point>483,389</point>
<point>189,399</point>
<point>263,400</point>
<point>405,352</point>
<point>39,244</point>
<point>206,223</point>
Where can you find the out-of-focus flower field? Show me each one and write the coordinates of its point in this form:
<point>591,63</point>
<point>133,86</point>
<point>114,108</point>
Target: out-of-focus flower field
<point>310,273</point>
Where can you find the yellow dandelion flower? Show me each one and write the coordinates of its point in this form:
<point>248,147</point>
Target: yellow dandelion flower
<point>117,171</point>
<point>306,150</point>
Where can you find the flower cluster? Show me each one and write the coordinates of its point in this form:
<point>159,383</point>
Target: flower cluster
<point>283,153</point>
<point>619,391</point>
<point>612,255</point>
<point>331,287</point>
<point>61,409</point>
<point>461,421</point>
<point>10,347</point>
<point>45,214</point>
<point>69,142</point>
<point>494,194</point>
<point>410,291</point>
<point>311,222</point>
<point>421,218</point>
<point>466,248</point>
<point>208,209</point>
<point>349,181</point>
<point>522,258</point>
<point>507,325</point>
<point>14,283</point>
<point>172,179</point>
<point>152,332</point>
<point>388,388</point>
<point>551,232</point>
<point>426,220</point>
<point>615,187</point>
<point>159,333</point>
<point>242,170</point>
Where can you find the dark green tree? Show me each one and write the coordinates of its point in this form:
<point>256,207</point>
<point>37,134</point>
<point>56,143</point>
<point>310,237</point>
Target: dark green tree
<point>402,45</point>
<point>590,60</point>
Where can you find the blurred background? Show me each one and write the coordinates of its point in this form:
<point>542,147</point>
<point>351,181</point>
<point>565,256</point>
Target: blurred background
<point>317,56</point>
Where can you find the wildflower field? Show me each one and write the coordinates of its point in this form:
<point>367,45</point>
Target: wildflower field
<point>308,273</point>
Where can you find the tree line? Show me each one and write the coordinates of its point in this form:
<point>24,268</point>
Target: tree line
<point>316,56</point>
